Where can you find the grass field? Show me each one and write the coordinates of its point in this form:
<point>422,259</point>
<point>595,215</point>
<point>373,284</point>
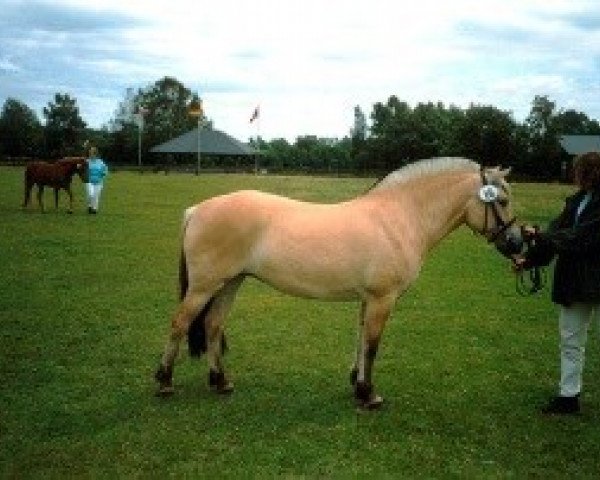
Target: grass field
<point>84,307</point>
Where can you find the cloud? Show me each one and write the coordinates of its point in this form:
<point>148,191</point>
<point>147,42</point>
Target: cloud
<point>38,15</point>
<point>307,63</point>
<point>8,66</point>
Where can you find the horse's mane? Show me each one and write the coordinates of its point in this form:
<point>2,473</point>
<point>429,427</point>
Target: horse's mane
<point>423,168</point>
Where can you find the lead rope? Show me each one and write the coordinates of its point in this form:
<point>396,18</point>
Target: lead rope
<point>533,281</point>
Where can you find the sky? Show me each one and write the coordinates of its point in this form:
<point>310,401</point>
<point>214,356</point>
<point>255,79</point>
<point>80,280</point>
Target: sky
<point>306,63</point>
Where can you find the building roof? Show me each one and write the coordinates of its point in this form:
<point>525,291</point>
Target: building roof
<point>212,142</point>
<point>578,144</point>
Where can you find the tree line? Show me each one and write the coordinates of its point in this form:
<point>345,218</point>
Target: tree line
<point>395,134</point>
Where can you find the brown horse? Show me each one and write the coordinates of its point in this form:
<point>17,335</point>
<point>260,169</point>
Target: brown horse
<point>56,175</point>
<point>370,249</point>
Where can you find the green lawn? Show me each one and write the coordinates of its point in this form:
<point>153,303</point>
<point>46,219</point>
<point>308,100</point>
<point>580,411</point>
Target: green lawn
<point>85,303</point>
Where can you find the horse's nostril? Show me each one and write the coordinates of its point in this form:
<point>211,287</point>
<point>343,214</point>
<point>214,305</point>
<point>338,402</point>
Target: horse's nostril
<point>509,245</point>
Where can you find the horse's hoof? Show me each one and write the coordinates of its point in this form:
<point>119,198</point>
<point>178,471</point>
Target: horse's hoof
<point>165,391</point>
<point>353,376</point>
<point>373,403</point>
<point>69,212</point>
<point>225,389</point>
<point>219,383</point>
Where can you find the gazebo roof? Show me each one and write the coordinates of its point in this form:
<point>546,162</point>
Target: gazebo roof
<point>212,142</point>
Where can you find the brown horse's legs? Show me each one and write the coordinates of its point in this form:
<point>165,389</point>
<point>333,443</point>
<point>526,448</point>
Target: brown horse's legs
<point>215,320</point>
<point>70,193</point>
<point>376,312</point>
<point>27,198</point>
<point>40,197</point>
<point>55,198</point>
<point>185,313</point>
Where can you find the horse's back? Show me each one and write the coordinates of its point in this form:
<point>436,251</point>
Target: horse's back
<point>56,174</point>
<point>241,213</point>
<point>253,210</point>
<point>35,171</point>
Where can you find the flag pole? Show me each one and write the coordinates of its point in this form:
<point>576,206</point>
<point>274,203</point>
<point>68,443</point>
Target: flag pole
<point>255,118</point>
<point>257,145</point>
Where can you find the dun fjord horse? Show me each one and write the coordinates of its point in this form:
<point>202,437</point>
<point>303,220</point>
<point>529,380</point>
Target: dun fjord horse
<point>370,249</point>
<point>55,175</point>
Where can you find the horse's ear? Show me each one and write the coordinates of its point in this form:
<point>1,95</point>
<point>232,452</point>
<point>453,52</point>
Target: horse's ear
<point>505,172</point>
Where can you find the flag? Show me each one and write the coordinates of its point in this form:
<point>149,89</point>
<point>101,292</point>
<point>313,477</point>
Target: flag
<point>195,108</point>
<point>254,114</point>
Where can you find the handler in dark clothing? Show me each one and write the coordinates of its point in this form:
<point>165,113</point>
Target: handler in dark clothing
<point>574,238</point>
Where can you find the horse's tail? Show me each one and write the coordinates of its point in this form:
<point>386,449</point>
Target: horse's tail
<point>197,343</point>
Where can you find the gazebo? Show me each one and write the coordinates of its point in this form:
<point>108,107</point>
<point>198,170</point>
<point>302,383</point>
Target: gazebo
<point>212,142</point>
<point>208,143</point>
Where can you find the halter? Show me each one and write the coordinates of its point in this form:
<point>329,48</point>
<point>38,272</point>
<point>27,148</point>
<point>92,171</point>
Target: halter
<point>489,196</point>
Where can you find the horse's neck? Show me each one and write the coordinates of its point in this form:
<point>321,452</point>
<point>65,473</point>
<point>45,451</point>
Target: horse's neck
<point>71,169</point>
<point>443,206</point>
<point>437,205</point>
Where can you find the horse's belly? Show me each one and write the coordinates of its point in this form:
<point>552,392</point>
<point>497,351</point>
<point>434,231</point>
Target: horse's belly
<point>314,260</point>
<point>308,288</point>
<point>304,278</point>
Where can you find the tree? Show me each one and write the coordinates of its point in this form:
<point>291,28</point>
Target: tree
<point>435,129</point>
<point>359,129</point>
<point>276,154</point>
<point>20,130</point>
<point>544,160</point>
<point>571,122</point>
<point>400,134</point>
<point>65,129</point>
<point>166,103</point>
<point>539,120</point>
<point>487,135</point>
<point>391,144</point>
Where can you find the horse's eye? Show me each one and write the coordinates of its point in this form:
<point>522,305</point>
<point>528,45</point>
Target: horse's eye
<point>503,202</point>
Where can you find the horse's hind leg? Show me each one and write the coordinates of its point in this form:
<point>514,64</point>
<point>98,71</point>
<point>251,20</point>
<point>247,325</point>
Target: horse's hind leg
<point>374,314</point>
<point>70,193</point>
<point>27,197</point>
<point>215,320</point>
<point>40,197</point>
<point>180,323</point>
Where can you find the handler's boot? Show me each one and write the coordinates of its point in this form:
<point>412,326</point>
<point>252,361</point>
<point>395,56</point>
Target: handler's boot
<point>562,406</point>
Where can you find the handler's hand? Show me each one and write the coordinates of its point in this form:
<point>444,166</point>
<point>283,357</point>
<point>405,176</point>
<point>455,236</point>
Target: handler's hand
<point>518,263</point>
<point>528,231</point>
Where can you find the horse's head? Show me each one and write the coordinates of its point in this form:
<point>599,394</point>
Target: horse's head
<point>490,212</point>
<point>79,166</point>
<point>82,170</point>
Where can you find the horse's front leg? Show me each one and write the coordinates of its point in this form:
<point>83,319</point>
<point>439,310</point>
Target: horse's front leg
<point>70,193</point>
<point>359,342</point>
<point>27,199</point>
<point>374,313</point>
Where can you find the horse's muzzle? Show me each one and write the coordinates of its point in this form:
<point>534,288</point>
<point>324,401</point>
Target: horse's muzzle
<point>510,242</point>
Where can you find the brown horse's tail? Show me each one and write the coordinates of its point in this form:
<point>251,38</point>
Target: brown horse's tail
<point>197,343</point>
